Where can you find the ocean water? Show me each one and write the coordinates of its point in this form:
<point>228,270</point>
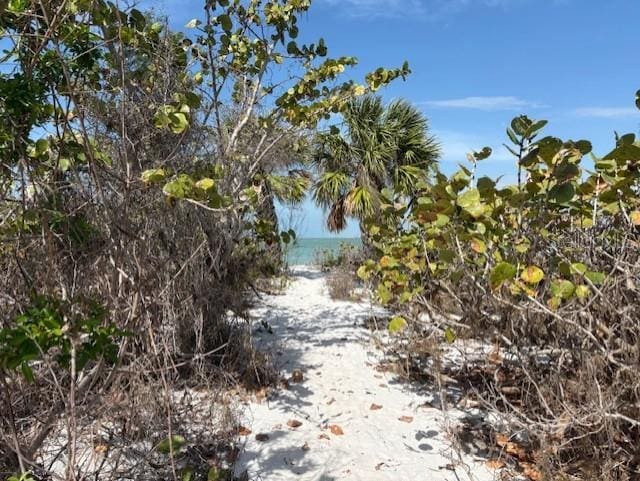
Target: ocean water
<point>307,251</point>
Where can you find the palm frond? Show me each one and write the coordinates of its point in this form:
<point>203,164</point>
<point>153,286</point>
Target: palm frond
<point>361,203</point>
<point>291,188</point>
<point>337,220</point>
<point>331,187</point>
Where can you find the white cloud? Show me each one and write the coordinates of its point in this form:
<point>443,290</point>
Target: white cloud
<point>433,9</point>
<point>607,112</point>
<point>380,8</point>
<point>487,104</point>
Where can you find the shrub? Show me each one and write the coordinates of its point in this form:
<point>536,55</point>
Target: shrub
<point>546,270</point>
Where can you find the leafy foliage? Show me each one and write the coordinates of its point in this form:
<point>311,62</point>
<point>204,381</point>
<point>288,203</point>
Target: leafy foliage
<point>548,265</point>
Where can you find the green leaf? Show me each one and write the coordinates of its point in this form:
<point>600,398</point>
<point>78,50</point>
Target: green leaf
<point>152,176</point>
<point>536,127</point>
<point>364,273</point>
<point>562,289</point>
<point>532,275</point>
<point>27,372</point>
<point>179,188</point>
<point>597,278</point>
<point>178,122</point>
<point>217,474</point>
<point>485,153</point>
<point>578,268</point>
<point>225,22</point>
<point>502,272</point>
<point>17,6</point>
<point>205,184</point>
<point>397,324</point>
<point>469,199</point>
<point>450,335</point>
<point>582,291</point>
<point>563,193</point>
<point>42,146</point>
<point>624,152</point>
<point>64,164</point>
<point>187,474</point>
<point>175,442</point>
<point>384,294</point>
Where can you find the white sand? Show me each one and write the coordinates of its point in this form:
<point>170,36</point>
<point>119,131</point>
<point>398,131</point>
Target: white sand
<point>326,340</point>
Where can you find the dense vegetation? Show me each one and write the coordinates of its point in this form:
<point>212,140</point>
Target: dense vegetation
<point>139,172</point>
<point>547,273</point>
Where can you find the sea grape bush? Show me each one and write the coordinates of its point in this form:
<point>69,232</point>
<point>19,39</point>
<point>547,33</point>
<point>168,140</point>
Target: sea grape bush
<point>239,58</point>
<point>59,332</point>
<point>547,271</point>
<point>508,238</point>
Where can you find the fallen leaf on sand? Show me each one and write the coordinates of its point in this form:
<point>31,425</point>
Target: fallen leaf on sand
<point>244,431</point>
<point>375,407</point>
<point>335,429</point>
<point>294,423</point>
<point>262,437</point>
<point>379,466</point>
<point>510,447</point>
<point>284,383</point>
<point>495,464</point>
<point>331,401</point>
<point>406,419</point>
<point>305,447</point>
<point>324,436</point>
<point>297,376</point>
<point>101,448</point>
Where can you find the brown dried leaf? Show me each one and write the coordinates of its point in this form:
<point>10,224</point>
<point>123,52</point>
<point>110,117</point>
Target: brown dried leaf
<point>305,447</point>
<point>336,430</point>
<point>495,464</point>
<point>294,423</point>
<point>296,376</point>
<point>406,419</point>
<point>244,431</point>
<point>501,439</point>
<point>375,407</point>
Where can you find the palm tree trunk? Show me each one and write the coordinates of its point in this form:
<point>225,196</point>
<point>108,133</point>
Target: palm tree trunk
<point>368,248</point>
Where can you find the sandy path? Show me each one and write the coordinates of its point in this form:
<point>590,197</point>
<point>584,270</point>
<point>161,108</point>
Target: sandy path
<point>325,339</point>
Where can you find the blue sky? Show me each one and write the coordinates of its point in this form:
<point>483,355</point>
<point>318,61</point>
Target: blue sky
<point>478,63</point>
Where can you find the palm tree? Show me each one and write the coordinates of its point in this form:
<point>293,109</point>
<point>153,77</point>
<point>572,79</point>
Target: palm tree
<point>379,147</point>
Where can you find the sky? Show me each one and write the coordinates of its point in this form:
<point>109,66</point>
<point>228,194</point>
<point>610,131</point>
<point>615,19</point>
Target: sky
<point>477,64</point>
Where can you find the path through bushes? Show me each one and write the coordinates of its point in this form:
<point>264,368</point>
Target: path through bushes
<point>337,417</point>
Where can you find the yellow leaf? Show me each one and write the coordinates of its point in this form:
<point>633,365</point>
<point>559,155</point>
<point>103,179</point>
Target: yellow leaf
<point>532,275</point>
